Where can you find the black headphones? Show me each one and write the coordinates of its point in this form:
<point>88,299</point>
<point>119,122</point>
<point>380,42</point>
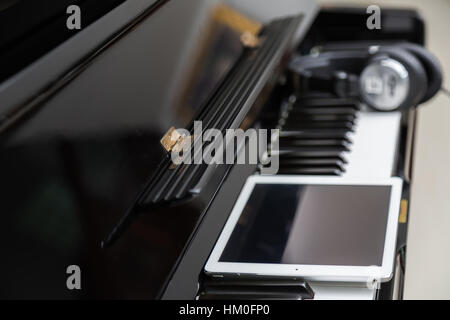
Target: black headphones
<point>386,78</point>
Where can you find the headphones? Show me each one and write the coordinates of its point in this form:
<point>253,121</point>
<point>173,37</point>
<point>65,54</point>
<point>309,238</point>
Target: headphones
<point>386,78</point>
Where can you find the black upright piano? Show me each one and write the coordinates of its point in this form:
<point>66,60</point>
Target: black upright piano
<point>84,178</point>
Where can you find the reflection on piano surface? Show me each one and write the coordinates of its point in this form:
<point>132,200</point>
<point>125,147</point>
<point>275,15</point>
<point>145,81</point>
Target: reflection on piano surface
<point>74,165</point>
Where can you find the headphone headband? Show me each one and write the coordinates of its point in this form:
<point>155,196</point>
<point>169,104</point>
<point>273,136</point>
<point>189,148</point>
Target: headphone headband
<point>335,72</point>
<point>385,77</point>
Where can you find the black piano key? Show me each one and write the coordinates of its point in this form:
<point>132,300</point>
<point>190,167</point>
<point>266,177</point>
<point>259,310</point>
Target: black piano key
<point>322,111</point>
<point>292,153</point>
<point>298,146</point>
<point>313,162</point>
<point>323,103</point>
<point>315,159</point>
<point>325,117</point>
<point>299,125</point>
<point>331,171</point>
<point>315,134</point>
<point>316,118</point>
<point>299,106</point>
<point>323,148</point>
<point>289,154</point>
<point>319,133</point>
<point>316,142</point>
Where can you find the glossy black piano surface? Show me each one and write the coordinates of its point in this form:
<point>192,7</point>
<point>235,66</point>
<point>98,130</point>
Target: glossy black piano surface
<point>73,165</point>
<point>31,28</point>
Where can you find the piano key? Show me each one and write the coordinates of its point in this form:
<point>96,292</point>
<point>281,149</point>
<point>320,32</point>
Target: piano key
<point>321,111</point>
<point>311,158</point>
<point>331,159</point>
<point>292,153</point>
<point>303,149</point>
<point>293,123</point>
<point>311,171</point>
<point>315,135</point>
<point>324,117</point>
<point>327,102</point>
<point>314,162</point>
<point>298,146</point>
<point>374,146</point>
<point>318,133</point>
<point>315,142</point>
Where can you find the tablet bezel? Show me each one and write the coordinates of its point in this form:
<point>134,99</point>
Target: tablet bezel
<point>311,272</point>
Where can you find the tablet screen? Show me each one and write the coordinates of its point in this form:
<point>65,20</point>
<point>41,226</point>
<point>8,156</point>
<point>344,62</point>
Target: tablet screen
<point>311,224</point>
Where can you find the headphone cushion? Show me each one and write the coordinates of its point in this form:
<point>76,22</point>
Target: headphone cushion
<point>417,74</point>
<point>432,68</point>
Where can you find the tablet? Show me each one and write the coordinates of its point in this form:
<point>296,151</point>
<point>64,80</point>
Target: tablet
<point>315,228</point>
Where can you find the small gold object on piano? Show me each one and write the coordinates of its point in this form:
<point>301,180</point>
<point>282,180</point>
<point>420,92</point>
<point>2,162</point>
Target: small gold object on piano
<point>249,40</point>
<point>171,139</point>
<point>236,20</point>
<point>246,26</point>
<point>403,211</point>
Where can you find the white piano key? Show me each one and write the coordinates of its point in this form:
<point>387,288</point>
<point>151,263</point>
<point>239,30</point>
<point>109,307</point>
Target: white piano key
<point>375,142</point>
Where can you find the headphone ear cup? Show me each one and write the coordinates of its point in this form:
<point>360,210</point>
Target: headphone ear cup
<point>431,65</point>
<point>416,72</point>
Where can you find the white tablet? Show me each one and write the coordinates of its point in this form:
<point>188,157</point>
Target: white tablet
<point>315,228</point>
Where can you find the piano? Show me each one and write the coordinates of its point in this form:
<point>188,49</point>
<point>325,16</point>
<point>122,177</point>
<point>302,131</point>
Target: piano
<point>85,180</point>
